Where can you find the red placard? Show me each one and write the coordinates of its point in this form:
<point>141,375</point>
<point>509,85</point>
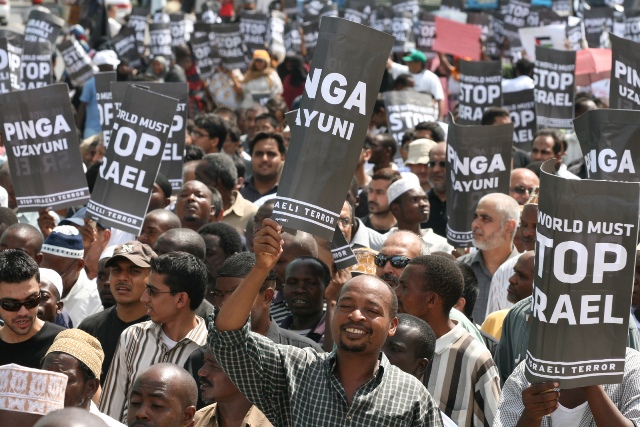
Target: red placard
<point>458,39</point>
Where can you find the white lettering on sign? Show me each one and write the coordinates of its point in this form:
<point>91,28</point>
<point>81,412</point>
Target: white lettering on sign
<point>42,128</point>
<point>591,310</point>
<point>607,161</point>
<point>475,165</point>
<point>332,90</point>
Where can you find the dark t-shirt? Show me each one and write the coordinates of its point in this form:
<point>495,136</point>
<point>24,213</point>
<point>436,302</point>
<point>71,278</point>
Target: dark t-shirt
<point>367,222</point>
<point>437,215</point>
<point>106,326</point>
<point>29,353</point>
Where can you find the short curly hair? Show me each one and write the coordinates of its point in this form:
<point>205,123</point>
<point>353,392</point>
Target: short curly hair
<point>442,276</point>
<point>230,240</point>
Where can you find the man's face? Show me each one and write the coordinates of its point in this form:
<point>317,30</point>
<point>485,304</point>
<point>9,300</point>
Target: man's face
<point>437,174</point>
<point>48,302</point>
<point>362,320</point>
<point>488,232</point>
<point>521,283</point>
<point>21,241</point>
<point>378,201</point>
<point>415,66</point>
<point>160,303</point>
<point>127,281</point>
<point>522,184</point>
<point>78,390</point>
<point>215,256</point>
<point>401,350</point>
<point>635,297</point>
<point>542,149</point>
<point>193,204</point>
<point>344,222</point>
<point>224,288</point>
<point>502,120</point>
<point>152,228</point>
<point>104,287</point>
<point>22,321</point>
<point>303,290</point>
<point>396,246</point>
<point>250,123</point>
<point>264,125</point>
<point>378,152</point>
<point>528,223</point>
<point>414,206</point>
<point>158,199</point>
<point>67,268</point>
<point>153,403</point>
<point>201,138</point>
<point>266,159</point>
<point>421,170</point>
<point>215,385</point>
<point>410,292</point>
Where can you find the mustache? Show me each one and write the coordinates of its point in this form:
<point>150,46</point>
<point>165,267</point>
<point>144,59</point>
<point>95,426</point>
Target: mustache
<point>387,277</point>
<point>137,423</point>
<point>205,382</point>
<point>356,326</point>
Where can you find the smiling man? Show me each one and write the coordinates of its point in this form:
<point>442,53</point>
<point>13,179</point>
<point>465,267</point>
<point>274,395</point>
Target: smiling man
<point>24,339</point>
<point>355,382</point>
<point>174,290</point>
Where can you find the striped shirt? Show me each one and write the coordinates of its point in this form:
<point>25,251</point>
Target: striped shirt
<point>299,387</point>
<point>464,379</point>
<point>626,396</point>
<point>139,347</point>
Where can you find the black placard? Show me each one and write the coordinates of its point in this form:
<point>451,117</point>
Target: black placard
<point>522,110</point>
<point>554,77</point>
<point>480,88</point>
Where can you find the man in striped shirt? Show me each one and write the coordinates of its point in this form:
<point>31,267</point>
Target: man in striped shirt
<point>462,376</point>
<point>175,288</point>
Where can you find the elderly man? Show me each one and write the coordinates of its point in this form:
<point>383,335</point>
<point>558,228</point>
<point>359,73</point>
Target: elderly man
<point>494,226</point>
<point>523,182</point>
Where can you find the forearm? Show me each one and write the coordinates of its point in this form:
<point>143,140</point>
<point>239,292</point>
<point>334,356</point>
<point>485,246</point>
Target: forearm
<point>526,421</point>
<point>234,313</point>
<point>327,345</point>
<point>605,412</point>
<point>441,111</point>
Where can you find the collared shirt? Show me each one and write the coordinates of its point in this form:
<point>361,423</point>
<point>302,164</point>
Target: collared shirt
<point>434,242</point>
<point>250,192</point>
<point>366,237</point>
<point>476,262</point>
<point>141,346</point>
<point>83,299</point>
<point>625,396</point>
<point>110,422</point>
<point>514,340</point>
<point>464,379</point>
<point>208,417</point>
<point>299,387</point>
<point>239,213</point>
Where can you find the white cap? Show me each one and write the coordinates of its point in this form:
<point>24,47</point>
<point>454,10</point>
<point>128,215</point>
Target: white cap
<point>31,391</point>
<point>409,181</point>
<point>53,277</point>
<point>106,57</point>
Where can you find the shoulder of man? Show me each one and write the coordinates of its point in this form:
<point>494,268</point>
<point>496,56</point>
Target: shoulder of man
<point>95,321</point>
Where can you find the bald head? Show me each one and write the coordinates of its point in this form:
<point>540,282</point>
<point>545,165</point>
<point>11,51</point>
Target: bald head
<point>166,218</point>
<point>157,222</point>
<point>175,379</point>
<point>523,181</point>
<point>24,237</point>
<point>181,240</point>
<point>70,417</point>
<point>414,243</point>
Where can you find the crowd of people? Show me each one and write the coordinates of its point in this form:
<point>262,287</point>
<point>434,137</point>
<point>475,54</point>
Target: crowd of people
<point>214,316</point>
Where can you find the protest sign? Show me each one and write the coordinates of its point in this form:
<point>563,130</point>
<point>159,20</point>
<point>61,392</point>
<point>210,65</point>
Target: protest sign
<point>561,7</point>
<point>407,108</point>
<point>522,111</point>
<point>410,6</point>
<point>35,66</point>
<point>10,60</point>
<point>514,14</point>
<point>488,37</point>
<point>42,26</point>
<point>346,71</point>
<point>205,49</point>
<point>402,30</point>
<point>76,61</point>
<point>341,251</point>
<point>231,47</point>
<point>554,76</point>
<point>138,22</point>
<point>575,33</point>
<point>381,18</point>
<point>583,276</point>
<point>275,32</point>
<point>597,22</point>
<point>329,10</point>
<point>125,45</point>
<point>160,39</point>
<point>632,26</point>
<point>457,39</point>
<point>292,37</point>
<point>357,11</point>
<point>310,34</point>
<point>254,29</point>
<point>625,83</point>
<point>480,88</point>
<point>172,155</point>
<point>551,36</point>
<point>39,134</point>
<point>425,35</point>
<point>123,188</point>
<point>609,142</point>
<point>290,7</point>
<point>178,27</point>
<point>105,103</point>
<point>478,163</point>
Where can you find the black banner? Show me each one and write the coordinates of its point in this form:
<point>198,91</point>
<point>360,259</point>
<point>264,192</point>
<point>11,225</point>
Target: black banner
<point>334,115</point>
<point>597,21</point>
<point>231,47</point>
<point>10,60</point>
<point>342,253</point>
<point>205,49</point>
<point>632,27</point>
<point>254,29</point>
<point>123,188</point>
<point>35,67</point>
<point>311,32</point>
<point>406,108</point>
<point>381,18</point>
<point>160,39</point>
<point>514,16</point>
<point>584,269</point>
<point>172,155</point>
<point>76,61</point>
<point>125,45</point>
<point>425,32</point>
<point>480,88</point>
<point>42,26</point>
<point>575,34</point>
<point>478,163</point>
<point>105,103</point>
<point>522,110</point>
<point>624,92</point>
<point>138,22</point>
<point>357,11</point>
<point>402,30</point>
<point>39,134</point>
<point>292,37</point>
<point>178,28</point>
<point>275,32</point>
<point>554,77</point>
<point>609,142</point>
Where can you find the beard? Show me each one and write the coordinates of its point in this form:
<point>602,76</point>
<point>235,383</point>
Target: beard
<point>491,242</point>
<point>359,348</point>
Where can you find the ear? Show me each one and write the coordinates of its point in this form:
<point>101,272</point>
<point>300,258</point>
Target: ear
<point>393,326</point>
<point>395,209</point>
<point>92,387</point>
<point>460,304</point>
<point>187,416</point>
<point>240,183</point>
<point>367,154</point>
<point>183,300</point>
<point>269,293</point>
<point>59,307</point>
<point>39,257</point>
<point>421,366</point>
<point>106,236</point>
<point>510,226</point>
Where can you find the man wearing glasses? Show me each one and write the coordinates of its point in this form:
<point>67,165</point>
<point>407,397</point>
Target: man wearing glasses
<point>24,339</point>
<point>209,133</point>
<point>175,288</point>
<point>523,182</point>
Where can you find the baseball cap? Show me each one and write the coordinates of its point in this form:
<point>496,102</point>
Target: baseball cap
<point>138,253</point>
<point>419,151</point>
<point>415,56</point>
<point>106,57</point>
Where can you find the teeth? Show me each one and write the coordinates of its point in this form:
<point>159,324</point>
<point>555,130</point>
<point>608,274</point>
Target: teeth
<point>354,331</point>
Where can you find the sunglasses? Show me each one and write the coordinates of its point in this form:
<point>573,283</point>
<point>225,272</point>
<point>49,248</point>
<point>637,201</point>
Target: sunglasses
<point>432,164</point>
<point>16,305</point>
<point>520,189</point>
<point>397,261</point>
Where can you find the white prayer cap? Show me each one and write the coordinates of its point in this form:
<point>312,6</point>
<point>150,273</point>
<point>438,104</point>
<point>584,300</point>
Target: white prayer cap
<point>31,391</point>
<point>408,182</point>
<point>53,277</point>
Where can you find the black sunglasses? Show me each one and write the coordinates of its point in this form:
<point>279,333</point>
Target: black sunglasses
<point>397,261</point>
<point>520,189</point>
<point>432,164</point>
<point>16,305</point>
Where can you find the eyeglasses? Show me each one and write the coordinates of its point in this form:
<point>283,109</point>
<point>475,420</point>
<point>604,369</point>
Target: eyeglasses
<point>345,222</point>
<point>152,292</point>
<point>397,261</point>
<point>432,164</point>
<point>521,189</point>
<point>200,134</point>
<point>16,305</point>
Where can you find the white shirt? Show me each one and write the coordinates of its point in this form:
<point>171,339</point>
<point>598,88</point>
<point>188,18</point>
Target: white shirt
<point>517,84</point>
<point>568,417</point>
<point>83,300</point>
<point>499,284</point>
<point>426,81</point>
<point>107,419</point>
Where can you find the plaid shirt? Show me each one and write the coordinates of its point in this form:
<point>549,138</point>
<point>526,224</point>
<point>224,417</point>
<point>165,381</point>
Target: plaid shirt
<point>626,396</point>
<point>298,387</point>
